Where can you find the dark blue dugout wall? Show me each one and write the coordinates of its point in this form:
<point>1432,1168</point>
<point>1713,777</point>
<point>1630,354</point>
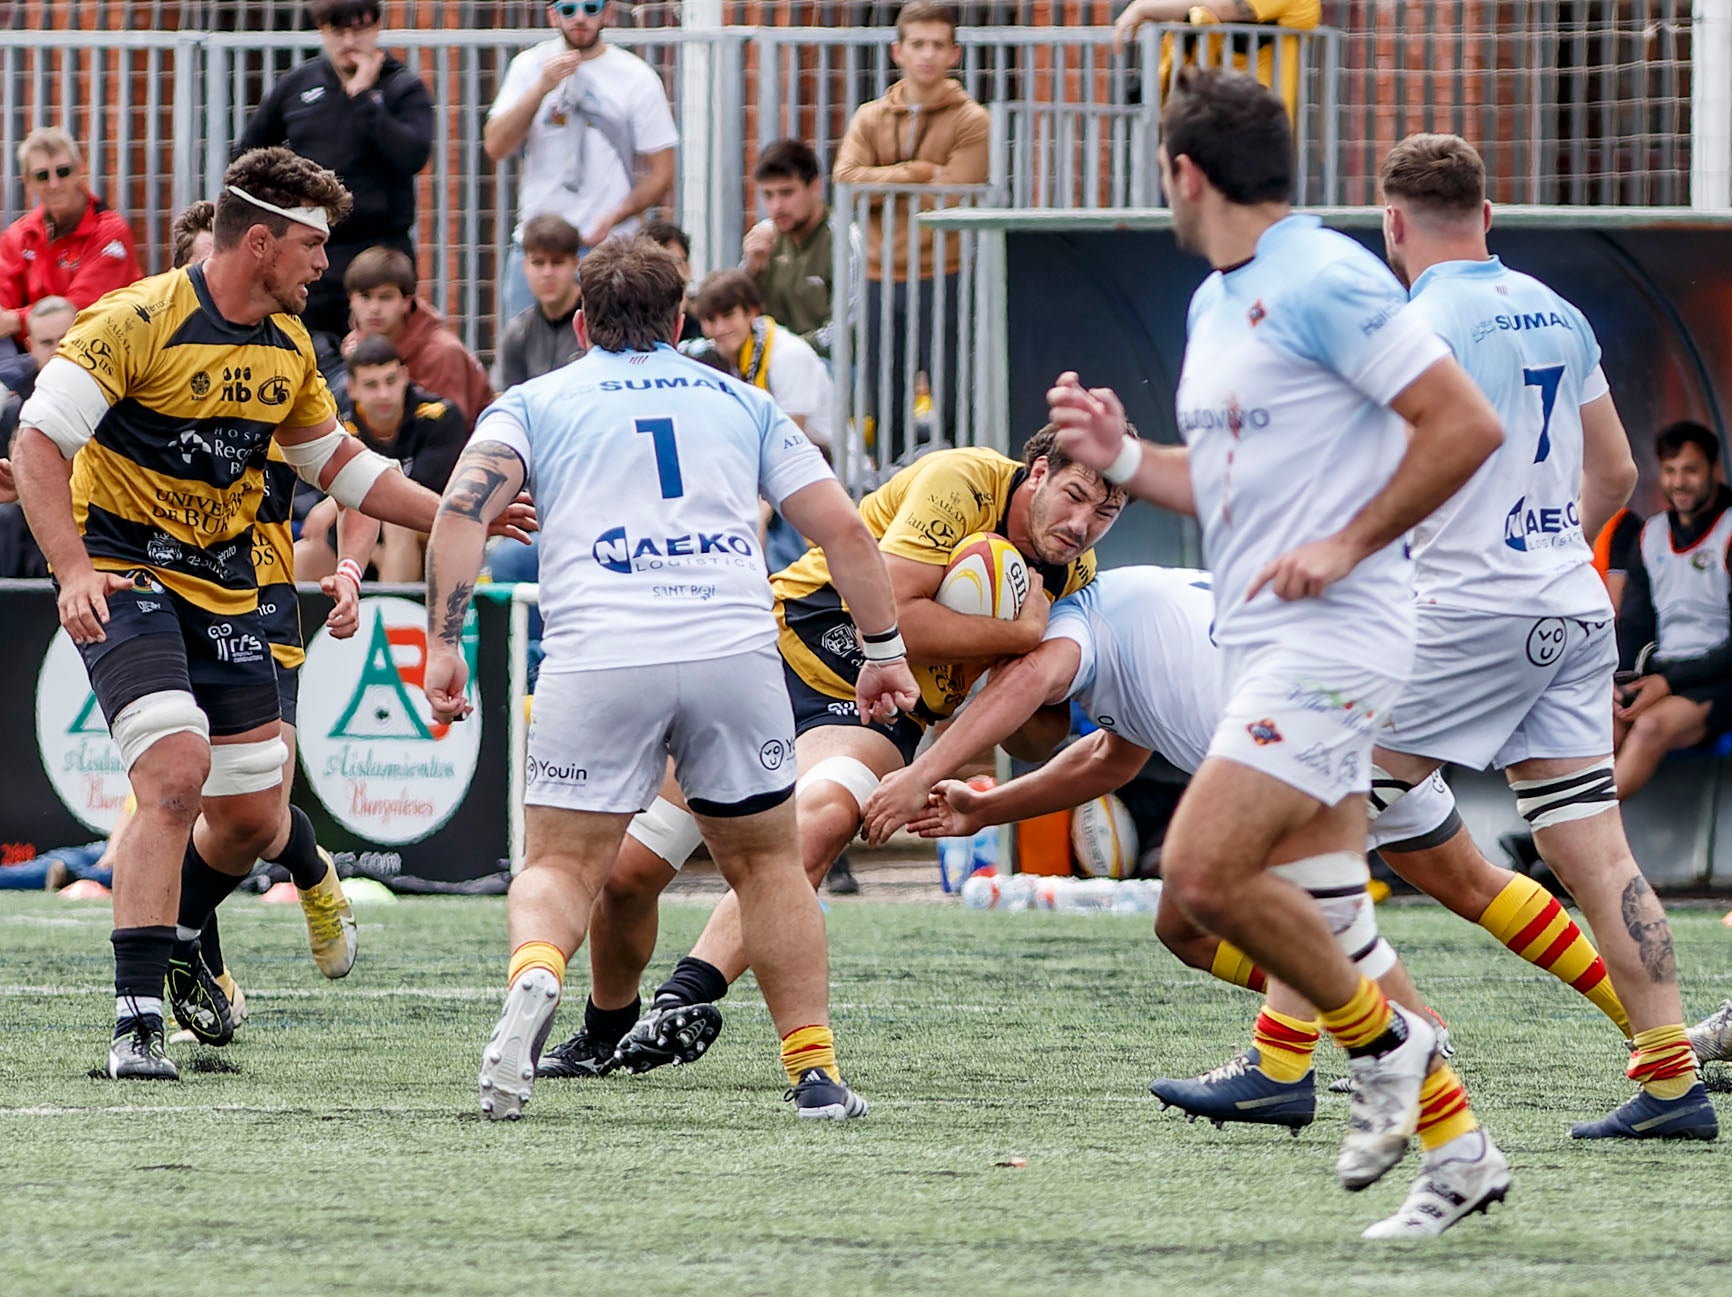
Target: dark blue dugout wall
<point>1110,303</point>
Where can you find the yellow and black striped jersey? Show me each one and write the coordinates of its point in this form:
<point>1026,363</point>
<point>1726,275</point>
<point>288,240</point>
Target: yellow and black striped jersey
<point>173,478</point>
<point>274,561</point>
<point>919,514</point>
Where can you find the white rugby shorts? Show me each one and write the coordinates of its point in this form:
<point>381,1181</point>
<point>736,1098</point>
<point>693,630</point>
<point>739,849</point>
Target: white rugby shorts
<point>1492,689</point>
<point>600,740</point>
<point>1416,815</point>
<point>1309,723</point>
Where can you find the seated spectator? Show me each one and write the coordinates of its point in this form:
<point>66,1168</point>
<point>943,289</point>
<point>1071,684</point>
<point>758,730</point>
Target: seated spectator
<point>542,339</point>
<point>788,254</point>
<point>381,287</point>
<point>1675,623</point>
<point>678,242</point>
<point>757,349</point>
<point>423,432</point>
<point>69,244</point>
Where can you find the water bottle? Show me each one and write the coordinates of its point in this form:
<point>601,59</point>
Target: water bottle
<point>986,891</point>
<point>1138,896</point>
<point>1076,895</point>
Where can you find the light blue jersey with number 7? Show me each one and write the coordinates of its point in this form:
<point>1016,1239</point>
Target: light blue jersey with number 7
<point>1511,539</point>
<point>646,468</point>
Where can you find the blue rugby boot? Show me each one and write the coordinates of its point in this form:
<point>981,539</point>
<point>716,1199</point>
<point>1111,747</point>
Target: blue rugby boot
<point>1237,1091</point>
<point>1642,1116</point>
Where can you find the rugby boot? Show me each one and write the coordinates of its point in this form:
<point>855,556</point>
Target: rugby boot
<point>197,998</point>
<point>580,1056</point>
<point>330,922</point>
<point>508,1063</point>
<point>237,1008</point>
<point>1383,1108</point>
<point>1450,1187</point>
<point>1642,1116</point>
<point>1711,1038</point>
<point>1238,1091</point>
<point>671,1033</point>
<point>1445,1049</point>
<point>818,1098</point>
<point>136,1053</point>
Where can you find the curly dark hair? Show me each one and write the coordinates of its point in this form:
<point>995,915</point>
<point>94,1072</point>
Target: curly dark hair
<point>191,223</point>
<point>1044,444</point>
<point>280,176</point>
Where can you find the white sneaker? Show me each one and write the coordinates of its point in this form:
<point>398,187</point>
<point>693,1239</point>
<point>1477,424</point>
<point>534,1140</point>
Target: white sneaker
<point>1450,1186</point>
<point>1711,1038</point>
<point>1384,1108</point>
<point>514,1048</point>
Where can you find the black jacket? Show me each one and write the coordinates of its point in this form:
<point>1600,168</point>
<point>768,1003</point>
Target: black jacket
<point>376,142</point>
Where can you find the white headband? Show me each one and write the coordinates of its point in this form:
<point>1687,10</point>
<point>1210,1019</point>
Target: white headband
<point>309,216</point>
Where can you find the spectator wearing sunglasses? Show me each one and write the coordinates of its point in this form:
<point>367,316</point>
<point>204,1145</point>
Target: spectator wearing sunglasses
<point>362,113</point>
<point>595,131</point>
<point>68,245</point>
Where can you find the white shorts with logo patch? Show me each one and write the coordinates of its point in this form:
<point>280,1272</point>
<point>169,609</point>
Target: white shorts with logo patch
<point>1309,723</point>
<point>600,740</point>
<point>1490,689</point>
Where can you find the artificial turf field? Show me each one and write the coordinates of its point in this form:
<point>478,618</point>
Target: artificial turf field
<point>335,1147</point>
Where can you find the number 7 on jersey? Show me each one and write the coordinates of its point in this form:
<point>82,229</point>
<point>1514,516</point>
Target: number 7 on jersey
<point>661,434</point>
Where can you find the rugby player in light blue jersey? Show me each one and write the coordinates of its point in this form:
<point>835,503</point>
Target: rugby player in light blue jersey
<point>1303,370</point>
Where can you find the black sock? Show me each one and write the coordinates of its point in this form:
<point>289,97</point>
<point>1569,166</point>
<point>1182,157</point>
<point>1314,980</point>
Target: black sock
<point>141,961</point>
<point>1389,1040</point>
<point>202,889</point>
<point>300,855</point>
<point>610,1025</point>
<point>692,982</point>
<point>211,944</point>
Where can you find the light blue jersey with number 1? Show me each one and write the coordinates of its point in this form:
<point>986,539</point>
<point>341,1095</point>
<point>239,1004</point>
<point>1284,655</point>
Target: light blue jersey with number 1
<point>1510,541</point>
<point>646,468</point>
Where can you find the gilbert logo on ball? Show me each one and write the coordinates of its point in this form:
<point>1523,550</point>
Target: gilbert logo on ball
<point>368,741</point>
<point>986,577</point>
<point>82,762</point>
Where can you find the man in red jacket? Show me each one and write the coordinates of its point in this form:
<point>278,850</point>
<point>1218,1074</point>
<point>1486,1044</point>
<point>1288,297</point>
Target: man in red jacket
<point>69,244</point>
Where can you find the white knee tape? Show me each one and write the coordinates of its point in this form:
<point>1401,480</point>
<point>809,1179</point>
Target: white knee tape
<point>1578,796</point>
<point>1386,790</point>
<point>156,716</point>
<point>668,830</point>
<point>1337,883</point>
<point>237,768</point>
<point>852,774</point>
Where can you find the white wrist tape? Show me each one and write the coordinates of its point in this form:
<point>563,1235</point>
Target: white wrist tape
<point>352,482</point>
<point>1125,467</point>
<point>351,569</point>
<point>886,646</point>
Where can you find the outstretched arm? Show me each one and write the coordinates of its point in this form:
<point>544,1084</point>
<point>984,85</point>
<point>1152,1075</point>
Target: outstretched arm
<point>1098,764</point>
<point>483,485</point>
<point>1015,692</point>
<point>1093,430</point>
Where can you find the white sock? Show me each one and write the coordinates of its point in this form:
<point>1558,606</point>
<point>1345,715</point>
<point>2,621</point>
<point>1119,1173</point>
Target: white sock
<point>137,1006</point>
<point>1463,1148</point>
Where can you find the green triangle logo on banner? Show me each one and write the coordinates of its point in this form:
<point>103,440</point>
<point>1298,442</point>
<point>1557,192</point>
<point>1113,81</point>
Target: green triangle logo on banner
<point>380,707</point>
<point>89,719</point>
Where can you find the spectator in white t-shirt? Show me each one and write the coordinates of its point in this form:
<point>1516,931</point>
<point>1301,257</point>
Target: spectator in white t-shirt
<point>596,134</point>
<point>749,344</point>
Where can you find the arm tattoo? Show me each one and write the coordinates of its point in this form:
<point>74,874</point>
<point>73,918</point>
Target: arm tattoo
<point>456,611</point>
<point>1646,923</point>
<point>479,477</point>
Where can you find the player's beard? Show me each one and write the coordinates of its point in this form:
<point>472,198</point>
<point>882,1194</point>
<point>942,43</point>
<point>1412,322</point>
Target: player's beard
<point>1185,228</point>
<point>289,295</point>
<point>584,48</point>
<point>1396,263</point>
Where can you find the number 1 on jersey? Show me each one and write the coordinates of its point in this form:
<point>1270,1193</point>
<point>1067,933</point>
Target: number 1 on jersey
<point>661,434</point>
<point>1547,381</point>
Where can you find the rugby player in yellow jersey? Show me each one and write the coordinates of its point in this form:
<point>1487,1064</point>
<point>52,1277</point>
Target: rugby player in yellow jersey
<point>1053,510</point>
<point>331,930</point>
<point>140,465</point>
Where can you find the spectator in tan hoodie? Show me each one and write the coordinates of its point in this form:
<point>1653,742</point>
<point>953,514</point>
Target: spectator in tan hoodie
<point>926,130</point>
<point>381,286</point>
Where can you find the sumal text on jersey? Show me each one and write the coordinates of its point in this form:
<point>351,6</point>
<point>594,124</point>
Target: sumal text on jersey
<point>1518,323</point>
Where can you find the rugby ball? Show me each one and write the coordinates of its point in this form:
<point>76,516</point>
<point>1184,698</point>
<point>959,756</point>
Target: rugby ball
<point>986,577</point>
<point>1103,839</point>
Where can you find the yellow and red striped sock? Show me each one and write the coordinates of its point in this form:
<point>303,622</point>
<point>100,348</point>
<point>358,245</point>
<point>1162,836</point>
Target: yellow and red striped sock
<point>1234,966</point>
<point>1664,1064</point>
<point>536,954</point>
<point>1364,1017</point>
<point>807,1047</point>
<point>1284,1045</point>
<point>1444,1113</point>
<point>1529,920</point>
